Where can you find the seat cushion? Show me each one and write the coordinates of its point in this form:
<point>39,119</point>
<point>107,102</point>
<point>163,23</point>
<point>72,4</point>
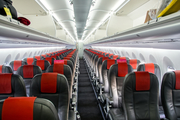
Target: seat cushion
<point>116,114</point>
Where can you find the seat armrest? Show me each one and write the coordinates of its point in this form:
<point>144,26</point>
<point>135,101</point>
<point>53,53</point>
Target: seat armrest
<point>72,115</point>
<point>109,102</point>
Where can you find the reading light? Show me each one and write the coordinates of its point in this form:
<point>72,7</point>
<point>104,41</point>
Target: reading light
<point>115,9</point>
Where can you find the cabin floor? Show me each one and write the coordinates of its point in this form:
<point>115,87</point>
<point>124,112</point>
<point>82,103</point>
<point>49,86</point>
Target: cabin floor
<point>87,102</point>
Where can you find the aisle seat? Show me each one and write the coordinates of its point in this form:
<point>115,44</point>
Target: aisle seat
<point>155,69</point>
<point>54,87</point>
<point>27,108</point>
<point>140,98</point>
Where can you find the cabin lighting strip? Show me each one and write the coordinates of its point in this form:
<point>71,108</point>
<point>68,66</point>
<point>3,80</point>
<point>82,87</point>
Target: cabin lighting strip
<point>115,9</point>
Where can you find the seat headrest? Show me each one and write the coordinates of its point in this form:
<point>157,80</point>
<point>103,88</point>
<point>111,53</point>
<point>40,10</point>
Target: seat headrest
<point>30,61</point>
<point>133,63</point>
<point>104,58</point>
<point>28,71</point>
<point>142,81</point>
<point>49,82</point>
<point>40,63</point>
<point>122,57</point>
<point>115,57</point>
<point>59,68</point>
<point>1,66</point>
<point>150,67</point>
<point>18,108</point>
<point>50,59</point>
<point>17,64</point>
<point>5,83</point>
<point>121,60</point>
<point>177,74</point>
<point>122,69</point>
<point>58,61</point>
<point>109,63</point>
<point>38,57</point>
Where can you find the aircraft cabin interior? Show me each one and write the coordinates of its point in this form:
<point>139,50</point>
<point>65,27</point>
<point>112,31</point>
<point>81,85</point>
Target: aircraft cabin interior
<point>89,59</point>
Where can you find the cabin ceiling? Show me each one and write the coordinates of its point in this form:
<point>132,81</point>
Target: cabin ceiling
<point>79,18</point>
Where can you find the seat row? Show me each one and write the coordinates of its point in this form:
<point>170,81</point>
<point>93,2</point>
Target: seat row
<point>58,84</point>
<point>129,93</point>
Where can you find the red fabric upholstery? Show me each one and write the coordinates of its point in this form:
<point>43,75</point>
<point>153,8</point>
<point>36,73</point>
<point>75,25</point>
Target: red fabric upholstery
<point>122,69</point>
<point>49,82</point>
<point>40,63</point>
<point>177,73</point>
<point>68,58</point>
<point>1,68</point>
<point>149,67</point>
<point>109,63</point>
<point>121,60</point>
<point>58,61</point>
<point>122,57</point>
<point>104,58</point>
<point>59,68</point>
<point>133,63</point>
<point>28,71</point>
<point>38,57</point>
<point>115,57</point>
<point>5,83</point>
<point>49,59</point>
<point>18,108</point>
<point>30,61</point>
<point>142,81</point>
<point>65,61</point>
<point>17,64</point>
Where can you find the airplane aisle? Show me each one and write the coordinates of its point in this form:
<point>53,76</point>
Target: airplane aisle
<point>87,103</point>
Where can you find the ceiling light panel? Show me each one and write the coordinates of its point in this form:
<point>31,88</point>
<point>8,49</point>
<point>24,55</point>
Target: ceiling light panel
<point>100,12</point>
<point>63,13</point>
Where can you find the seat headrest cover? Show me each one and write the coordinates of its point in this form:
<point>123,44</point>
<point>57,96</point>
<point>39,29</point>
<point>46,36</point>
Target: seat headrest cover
<point>142,81</point>
<point>18,108</point>
<point>177,73</point>
<point>65,61</point>
<point>38,57</point>
<point>115,57</point>
<point>122,57</point>
<point>17,64</point>
<point>149,67</point>
<point>5,83</point>
<point>58,61</point>
<point>109,63</point>
<point>49,82</point>
<point>59,68</point>
<point>1,68</point>
<point>122,69</point>
<point>133,63</point>
<point>30,61</point>
<point>28,71</point>
<point>121,60</point>
<point>68,58</point>
<point>49,59</point>
<point>104,58</point>
<point>40,63</point>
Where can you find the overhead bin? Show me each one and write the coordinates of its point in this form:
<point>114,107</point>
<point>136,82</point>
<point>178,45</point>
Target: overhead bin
<point>159,27</point>
<point>13,29</point>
